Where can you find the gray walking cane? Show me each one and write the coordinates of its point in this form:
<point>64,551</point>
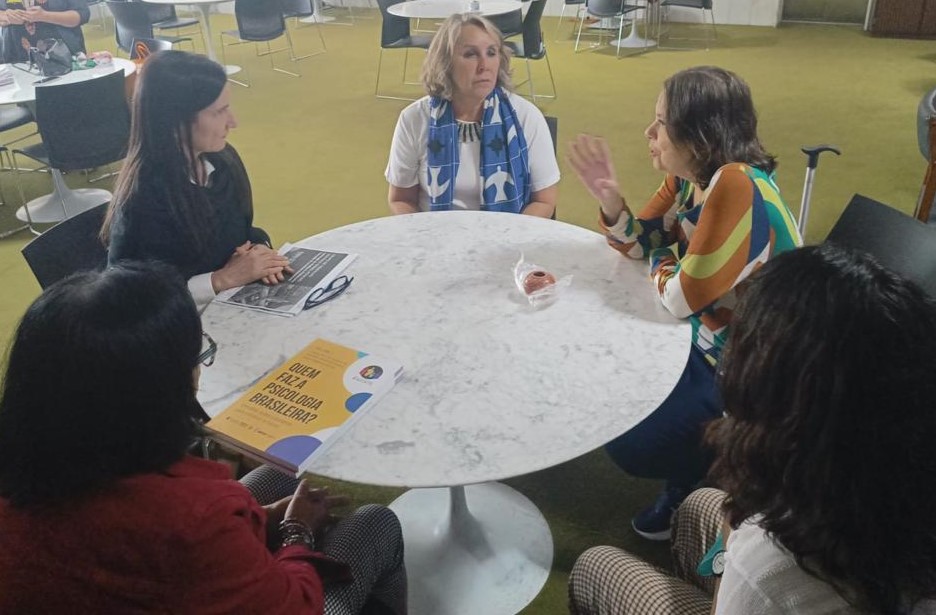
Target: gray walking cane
<point>813,154</point>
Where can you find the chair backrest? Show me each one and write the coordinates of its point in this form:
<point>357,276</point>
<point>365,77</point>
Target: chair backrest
<point>926,111</point>
<point>393,29</point>
<point>296,8</point>
<point>533,46</point>
<point>70,246</point>
<point>903,244</point>
<point>131,20</point>
<point>159,12</point>
<point>606,8</point>
<point>553,123</point>
<point>145,47</point>
<point>705,5</point>
<point>85,124</point>
<point>509,24</point>
<point>259,20</point>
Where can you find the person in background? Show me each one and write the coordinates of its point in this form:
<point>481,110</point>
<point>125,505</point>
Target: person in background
<point>101,508</point>
<point>824,455</point>
<point>23,27</point>
<point>715,219</point>
<point>183,196</point>
<point>471,143</point>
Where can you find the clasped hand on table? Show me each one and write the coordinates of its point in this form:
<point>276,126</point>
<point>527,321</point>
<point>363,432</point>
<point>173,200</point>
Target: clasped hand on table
<point>251,262</point>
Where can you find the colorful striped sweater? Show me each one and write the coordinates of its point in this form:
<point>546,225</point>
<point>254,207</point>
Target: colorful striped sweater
<point>700,252</point>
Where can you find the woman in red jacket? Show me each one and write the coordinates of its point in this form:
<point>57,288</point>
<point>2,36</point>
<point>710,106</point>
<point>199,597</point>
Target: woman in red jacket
<point>101,508</point>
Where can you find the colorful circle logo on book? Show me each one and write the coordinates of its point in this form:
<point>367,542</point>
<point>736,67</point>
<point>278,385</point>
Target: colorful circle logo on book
<point>372,372</point>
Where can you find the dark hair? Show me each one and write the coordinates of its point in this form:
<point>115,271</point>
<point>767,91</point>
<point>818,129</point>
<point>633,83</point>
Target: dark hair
<point>709,110</point>
<point>99,384</point>
<point>173,87</point>
<point>831,422</point>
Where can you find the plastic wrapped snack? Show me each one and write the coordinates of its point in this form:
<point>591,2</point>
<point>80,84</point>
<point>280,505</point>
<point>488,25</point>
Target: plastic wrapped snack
<point>538,285</point>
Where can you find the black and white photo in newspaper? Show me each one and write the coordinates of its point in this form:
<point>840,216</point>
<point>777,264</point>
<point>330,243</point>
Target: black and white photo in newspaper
<point>311,269</point>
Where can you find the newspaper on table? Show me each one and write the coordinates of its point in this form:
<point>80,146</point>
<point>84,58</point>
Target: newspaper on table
<point>312,269</point>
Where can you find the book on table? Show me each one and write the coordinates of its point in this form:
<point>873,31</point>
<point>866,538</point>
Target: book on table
<point>312,269</point>
<point>298,409</point>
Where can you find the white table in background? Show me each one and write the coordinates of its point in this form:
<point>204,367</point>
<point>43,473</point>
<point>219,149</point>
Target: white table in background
<point>491,388</point>
<point>440,9</point>
<point>205,7</point>
<point>53,207</point>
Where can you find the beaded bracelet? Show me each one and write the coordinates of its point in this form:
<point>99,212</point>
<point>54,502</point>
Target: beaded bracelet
<point>295,532</point>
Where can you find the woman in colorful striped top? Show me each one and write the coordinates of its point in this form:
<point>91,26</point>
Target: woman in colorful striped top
<point>715,219</point>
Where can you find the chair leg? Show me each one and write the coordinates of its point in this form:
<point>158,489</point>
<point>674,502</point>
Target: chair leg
<point>19,187</point>
<point>377,93</point>
<point>552,80</point>
<point>621,35</point>
<point>292,54</point>
<point>927,194</point>
<point>324,49</point>
<point>246,82</point>
<point>578,37</point>
<point>559,25</point>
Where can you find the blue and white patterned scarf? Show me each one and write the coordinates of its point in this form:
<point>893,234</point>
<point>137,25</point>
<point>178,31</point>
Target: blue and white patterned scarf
<point>505,166</point>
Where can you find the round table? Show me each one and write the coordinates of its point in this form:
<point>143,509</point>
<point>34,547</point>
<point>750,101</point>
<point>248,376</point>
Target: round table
<point>52,207</point>
<point>492,388</point>
<point>440,9</point>
<point>205,7</point>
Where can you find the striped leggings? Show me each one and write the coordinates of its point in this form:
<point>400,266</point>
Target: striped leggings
<point>610,581</point>
<point>369,540</point>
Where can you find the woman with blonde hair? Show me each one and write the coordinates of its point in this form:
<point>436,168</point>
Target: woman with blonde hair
<point>471,143</point>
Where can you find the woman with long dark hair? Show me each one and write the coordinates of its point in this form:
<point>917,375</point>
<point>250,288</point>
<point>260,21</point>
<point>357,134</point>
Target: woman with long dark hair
<point>717,216</point>
<point>182,196</point>
<point>825,458</point>
<point>103,511</point>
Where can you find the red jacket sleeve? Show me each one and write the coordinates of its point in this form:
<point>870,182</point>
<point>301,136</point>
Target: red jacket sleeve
<point>230,570</point>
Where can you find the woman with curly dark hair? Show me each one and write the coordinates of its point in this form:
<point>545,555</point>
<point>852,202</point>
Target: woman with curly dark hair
<point>825,456</point>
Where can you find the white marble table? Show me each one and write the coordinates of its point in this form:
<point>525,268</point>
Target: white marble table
<point>440,9</point>
<point>492,388</point>
<point>63,201</point>
<point>205,7</point>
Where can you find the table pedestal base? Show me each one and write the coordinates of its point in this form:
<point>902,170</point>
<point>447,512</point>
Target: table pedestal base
<point>633,40</point>
<point>48,209</point>
<point>476,549</point>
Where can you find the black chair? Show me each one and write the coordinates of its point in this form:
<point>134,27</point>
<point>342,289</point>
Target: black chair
<point>899,242</point>
<point>926,139</point>
<point>533,47</point>
<point>132,21</point>
<point>83,125</point>
<point>145,47</point>
<point>606,9</point>
<point>68,247</point>
<point>395,34</point>
<point>702,5</point>
<point>14,116</point>
<point>553,123</point>
<point>296,10</point>
<point>164,17</point>
<point>259,21</point>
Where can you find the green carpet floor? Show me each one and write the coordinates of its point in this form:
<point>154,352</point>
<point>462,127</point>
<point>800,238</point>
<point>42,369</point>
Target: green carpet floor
<point>316,148</point>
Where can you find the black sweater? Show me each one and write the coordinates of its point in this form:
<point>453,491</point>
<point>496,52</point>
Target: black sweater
<point>145,229</point>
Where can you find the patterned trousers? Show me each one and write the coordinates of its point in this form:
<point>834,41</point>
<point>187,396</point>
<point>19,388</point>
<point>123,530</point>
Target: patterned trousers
<point>610,581</point>
<point>369,540</point>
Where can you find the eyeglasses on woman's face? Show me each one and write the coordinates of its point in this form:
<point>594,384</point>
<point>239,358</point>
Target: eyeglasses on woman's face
<point>209,349</point>
<point>323,295</point>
